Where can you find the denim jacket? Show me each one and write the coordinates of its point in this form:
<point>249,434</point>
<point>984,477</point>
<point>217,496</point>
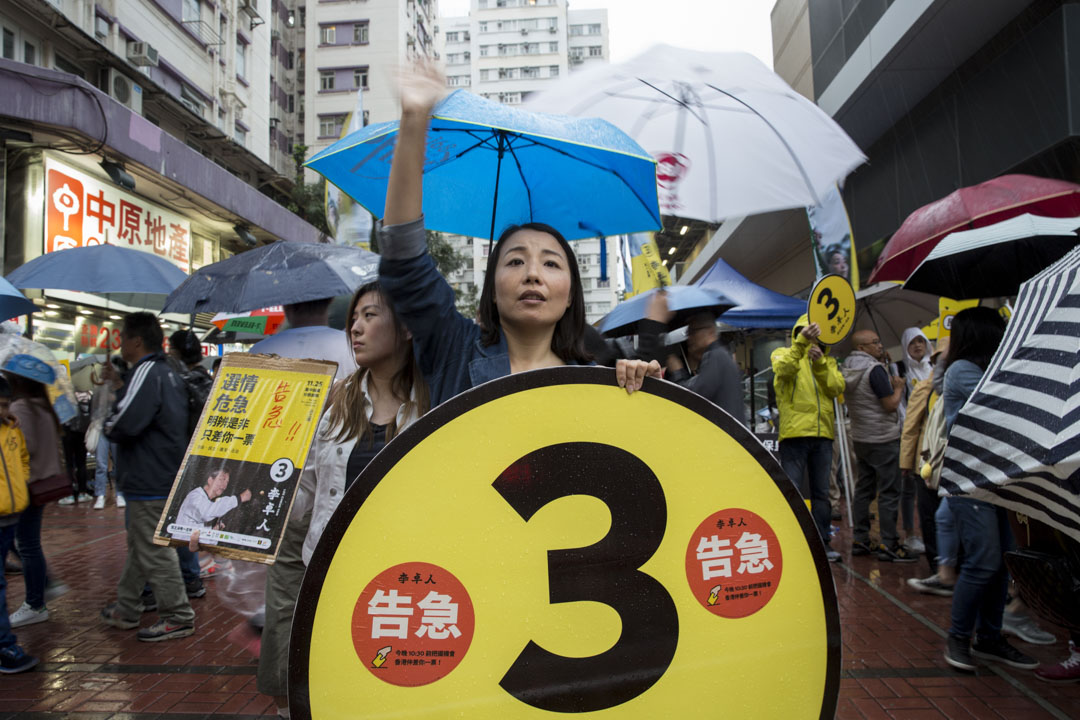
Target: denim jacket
<point>448,344</point>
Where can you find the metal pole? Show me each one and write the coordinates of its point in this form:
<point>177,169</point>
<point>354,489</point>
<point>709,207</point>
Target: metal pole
<point>845,458</point>
<point>501,137</point>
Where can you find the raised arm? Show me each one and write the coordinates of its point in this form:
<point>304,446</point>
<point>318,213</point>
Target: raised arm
<point>420,91</point>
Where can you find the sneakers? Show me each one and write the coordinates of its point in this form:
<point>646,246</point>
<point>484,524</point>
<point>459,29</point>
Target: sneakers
<point>999,650</point>
<point>99,502</point>
<point>931,586</point>
<point>915,545</point>
<point>1025,628</point>
<point>210,568</point>
<point>14,659</point>
<point>26,615</point>
<point>120,501</point>
<point>111,616</point>
<point>958,653</point>
<point>195,588</point>
<point>162,630</point>
<point>1066,671</point>
<point>149,602</point>
<point>896,554</point>
<point>72,499</point>
<point>833,556</point>
<point>860,548</point>
<point>65,501</point>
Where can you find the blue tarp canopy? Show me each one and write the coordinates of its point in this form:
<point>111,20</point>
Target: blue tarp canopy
<point>755,307</point>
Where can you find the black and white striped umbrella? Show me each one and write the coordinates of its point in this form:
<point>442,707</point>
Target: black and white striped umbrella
<point>1016,443</point>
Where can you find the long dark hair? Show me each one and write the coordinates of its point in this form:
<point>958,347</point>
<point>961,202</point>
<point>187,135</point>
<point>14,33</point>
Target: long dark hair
<point>976,334</point>
<point>568,341</point>
<point>348,413</point>
<point>25,388</point>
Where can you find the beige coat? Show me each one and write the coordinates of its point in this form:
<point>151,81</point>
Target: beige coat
<point>917,410</point>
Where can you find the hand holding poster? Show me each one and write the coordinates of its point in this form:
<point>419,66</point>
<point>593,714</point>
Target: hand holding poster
<point>239,478</point>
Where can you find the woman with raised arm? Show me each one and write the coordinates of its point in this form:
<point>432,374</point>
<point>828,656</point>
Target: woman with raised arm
<point>532,309</point>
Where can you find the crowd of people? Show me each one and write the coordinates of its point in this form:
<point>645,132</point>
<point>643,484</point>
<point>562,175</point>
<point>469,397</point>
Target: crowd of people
<point>407,349</point>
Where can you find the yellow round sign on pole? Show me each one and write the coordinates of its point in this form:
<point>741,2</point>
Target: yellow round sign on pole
<point>546,544</point>
<point>832,307</point>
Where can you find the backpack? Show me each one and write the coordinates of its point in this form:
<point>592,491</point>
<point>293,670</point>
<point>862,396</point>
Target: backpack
<point>933,444</point>
<point>197,382</point>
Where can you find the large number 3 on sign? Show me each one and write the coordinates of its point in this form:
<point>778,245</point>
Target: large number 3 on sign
<point>825,297</point>
<point>650,621</point>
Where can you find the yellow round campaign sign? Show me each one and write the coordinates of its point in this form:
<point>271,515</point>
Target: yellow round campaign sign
<point>832,307</point>
<point>546,543</point>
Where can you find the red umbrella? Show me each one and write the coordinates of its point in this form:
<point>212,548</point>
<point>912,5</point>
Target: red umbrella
<point>972,207</point>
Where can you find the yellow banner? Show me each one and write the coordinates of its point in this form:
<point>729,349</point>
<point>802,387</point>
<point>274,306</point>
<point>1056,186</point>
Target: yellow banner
<point>239,478</point>
<point>947,309</point>
<point>646,266</point>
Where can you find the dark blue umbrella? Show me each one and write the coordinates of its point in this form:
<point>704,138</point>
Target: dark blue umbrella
<point>12,302</point>
<point>488,166</point>
<point>104,269</point>
<point>279,274</point>
<point>684,300</point>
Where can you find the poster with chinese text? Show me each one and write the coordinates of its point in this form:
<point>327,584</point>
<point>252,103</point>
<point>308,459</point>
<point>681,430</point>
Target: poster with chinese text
<point>237,483</point>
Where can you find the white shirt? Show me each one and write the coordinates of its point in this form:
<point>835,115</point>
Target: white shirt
<point>311,343</point>
<point>198,509</point>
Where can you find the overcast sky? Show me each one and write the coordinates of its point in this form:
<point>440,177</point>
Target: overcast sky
<point>635,25</point>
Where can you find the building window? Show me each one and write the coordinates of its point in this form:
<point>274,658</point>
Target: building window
<point>290,58</point>
<point>327,35</point>
<point>483,49</point>
<point>9,45</point>
<point>593,29</point>
<point>576,30</point>
<point>553,71</point>
<point>485,75</point>
<point>452,36</point>
<point>326,79</point>
<point>596,51</point>
<point>331,125</point>
<point>241,59</point>
<point>457,81</point>
<point>359,78</point>
<point>101,28</point>
<point>553,47</point>
<point>607,284</point>
<point>190,11</point>
<point>483,27</point>
<point>303,15</point>
<point>577,52</point>
<point>367,119</point>
<point>29,54</point>
<point>240,135</point>
<point>360,33</point>
<point>290,105</point>
<point>530,72</point>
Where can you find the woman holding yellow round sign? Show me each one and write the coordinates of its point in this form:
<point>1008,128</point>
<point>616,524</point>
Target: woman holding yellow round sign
<point>532,307</point>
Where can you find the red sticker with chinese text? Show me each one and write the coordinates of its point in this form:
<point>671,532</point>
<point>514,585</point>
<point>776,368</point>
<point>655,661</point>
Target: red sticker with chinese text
<point>733,563</point>
<point>412,624</point>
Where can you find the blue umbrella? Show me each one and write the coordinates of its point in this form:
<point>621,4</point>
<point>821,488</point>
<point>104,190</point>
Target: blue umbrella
<point>683,300</point>
<point>12,302</point>
<point>99,269</point>
<point>488,166</point>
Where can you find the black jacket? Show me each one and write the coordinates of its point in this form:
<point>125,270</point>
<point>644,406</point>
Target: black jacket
<point>149,427</point>
<point>718,378</point>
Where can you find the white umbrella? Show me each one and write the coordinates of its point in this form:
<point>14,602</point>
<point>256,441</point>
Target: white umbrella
<point>992,261</point>
<point>729,136</point>
<point>1014,443</point>
<point>888,309</point>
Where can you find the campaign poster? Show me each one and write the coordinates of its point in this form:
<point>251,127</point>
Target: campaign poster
<point>238,480</point>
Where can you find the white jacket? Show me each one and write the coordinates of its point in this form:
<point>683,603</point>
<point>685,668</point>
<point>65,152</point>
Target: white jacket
<point>323,481</point>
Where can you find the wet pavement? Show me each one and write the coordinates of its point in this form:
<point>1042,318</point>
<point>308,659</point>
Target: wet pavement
<point>893,640</point>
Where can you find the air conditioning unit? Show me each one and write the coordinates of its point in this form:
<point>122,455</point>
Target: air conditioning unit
<point>142,54</point>
<point>251,7</point>
<point>524,31</point>
<point>123,90</point>
<point>553,29</point>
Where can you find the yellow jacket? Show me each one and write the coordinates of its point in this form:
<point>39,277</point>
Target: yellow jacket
<point>14,470</point>
<point>805,391</point>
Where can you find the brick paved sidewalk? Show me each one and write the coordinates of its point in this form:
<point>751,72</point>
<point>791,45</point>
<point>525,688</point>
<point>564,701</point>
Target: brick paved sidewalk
<point>892,648</point>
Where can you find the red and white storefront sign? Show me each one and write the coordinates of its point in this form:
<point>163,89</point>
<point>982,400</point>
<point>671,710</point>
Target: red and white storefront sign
<point>81,211</point>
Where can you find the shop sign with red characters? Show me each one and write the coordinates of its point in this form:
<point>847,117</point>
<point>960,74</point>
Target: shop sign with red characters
<point>81,211</point>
